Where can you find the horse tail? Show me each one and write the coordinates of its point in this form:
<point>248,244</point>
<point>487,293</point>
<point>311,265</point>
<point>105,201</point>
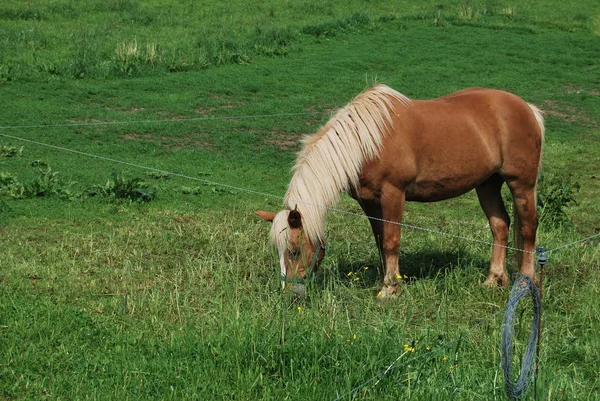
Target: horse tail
<point>539,118</point>
<point>517,237</point>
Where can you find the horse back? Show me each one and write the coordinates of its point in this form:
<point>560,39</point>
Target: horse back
<point>440,148</point>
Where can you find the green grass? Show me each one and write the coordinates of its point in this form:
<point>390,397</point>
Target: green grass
<point>177,298</point>
<point>66,39</point>
<point>108,312</point>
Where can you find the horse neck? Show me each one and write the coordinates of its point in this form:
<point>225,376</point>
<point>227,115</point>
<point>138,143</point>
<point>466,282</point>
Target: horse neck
<point>331,160</point>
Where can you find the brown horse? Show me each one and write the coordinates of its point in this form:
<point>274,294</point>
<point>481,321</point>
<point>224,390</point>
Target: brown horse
<point>384,149</point>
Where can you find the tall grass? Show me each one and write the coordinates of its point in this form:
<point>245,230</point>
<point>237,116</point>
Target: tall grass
<point>69,39</point>
<point>188,306</point>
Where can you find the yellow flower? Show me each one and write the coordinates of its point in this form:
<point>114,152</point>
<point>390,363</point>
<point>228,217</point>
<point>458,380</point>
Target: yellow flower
<point>452,367</point>
<point>445,358</point>
<point>405,347</point>
<point>379,294</point>
<point>299,309</point>
<point>366,267</point>
<point>405,276</point>
<point>356,278</point>
<point>398,277</point>
<point>428,348</point>
<point>351,273</point>
<point>354,336</point>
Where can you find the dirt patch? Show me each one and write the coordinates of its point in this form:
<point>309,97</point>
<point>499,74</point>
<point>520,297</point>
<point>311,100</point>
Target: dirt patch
<point>284,140</point>
<point>171,116</point>
<point>209,111</point>
<point>284,144</point>
<point>88,121</point>
<point>320,115</point>
<point>199,140</point>
<point>182,142</point>
<point>569,114</point>
<point>132,110</point>
<point>138,137</point>
<point>573,90</point>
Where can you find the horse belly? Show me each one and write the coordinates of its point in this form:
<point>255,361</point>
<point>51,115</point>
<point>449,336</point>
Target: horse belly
<point>444,175</point>
<point>437,190</point>
<point>439,178</point>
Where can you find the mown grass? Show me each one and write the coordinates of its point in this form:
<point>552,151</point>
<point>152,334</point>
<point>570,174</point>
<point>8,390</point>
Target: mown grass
<point>178,298</point>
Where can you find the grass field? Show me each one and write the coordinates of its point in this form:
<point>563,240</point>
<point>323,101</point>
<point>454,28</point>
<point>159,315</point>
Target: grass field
<point>177,297</point>
<point>67,39</point>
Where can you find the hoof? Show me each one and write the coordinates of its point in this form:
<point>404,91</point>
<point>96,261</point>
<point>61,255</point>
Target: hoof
<point>388,292</point>
<point>496,281</point>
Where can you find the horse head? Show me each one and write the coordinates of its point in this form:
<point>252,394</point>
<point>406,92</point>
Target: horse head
<point>299,257</point>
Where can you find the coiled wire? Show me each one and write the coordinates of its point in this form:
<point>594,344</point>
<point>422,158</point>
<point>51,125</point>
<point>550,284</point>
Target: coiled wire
<point>522,287</point>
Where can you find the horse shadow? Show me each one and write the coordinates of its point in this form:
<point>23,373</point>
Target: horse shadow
<point>413,266</point>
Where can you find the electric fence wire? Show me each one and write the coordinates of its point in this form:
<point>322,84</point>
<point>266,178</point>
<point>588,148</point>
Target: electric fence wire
<point>232,187</point>
<point>574,243</point>
<point>264,194</point>
<point>209,118</point>
<point>164,121</point>
<point>112,160</point>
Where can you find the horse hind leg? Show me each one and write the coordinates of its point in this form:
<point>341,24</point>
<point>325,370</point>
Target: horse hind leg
<point>490,199</point>
<point>526,222</point>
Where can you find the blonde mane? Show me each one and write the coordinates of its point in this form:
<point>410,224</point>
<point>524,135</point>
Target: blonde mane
<point>331,160</point>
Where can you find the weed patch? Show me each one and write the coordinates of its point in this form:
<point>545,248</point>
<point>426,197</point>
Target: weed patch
<point>11,151</point>
<point>158,175</point>
<point>331,29</point>
<point>48,183</point>
<point>10,185</point>
<point>555,193</point>
<point>118,187</point>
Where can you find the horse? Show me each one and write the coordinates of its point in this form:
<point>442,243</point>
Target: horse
<point>384,149</point>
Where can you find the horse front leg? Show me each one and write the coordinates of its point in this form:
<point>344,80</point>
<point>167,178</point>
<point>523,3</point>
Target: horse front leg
<point>526,221</point>
<point>372,209</point>
<point>392,207</point>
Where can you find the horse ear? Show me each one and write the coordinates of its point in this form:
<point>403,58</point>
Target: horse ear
<point>295,219</point>
<point>266,216</point>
